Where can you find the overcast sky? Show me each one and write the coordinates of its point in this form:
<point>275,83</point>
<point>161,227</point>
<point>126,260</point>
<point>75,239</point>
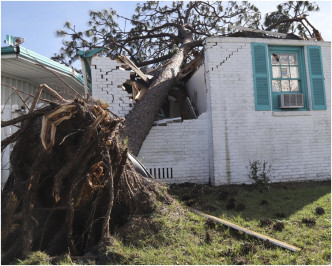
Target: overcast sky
<point>37,21</point>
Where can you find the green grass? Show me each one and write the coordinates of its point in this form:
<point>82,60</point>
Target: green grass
<point>174,235</point>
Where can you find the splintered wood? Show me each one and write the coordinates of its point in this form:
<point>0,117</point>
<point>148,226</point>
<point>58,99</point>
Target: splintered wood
<point>50,123</point>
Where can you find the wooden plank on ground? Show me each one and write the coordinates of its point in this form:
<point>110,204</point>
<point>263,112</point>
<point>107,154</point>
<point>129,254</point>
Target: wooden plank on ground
<point>247,231</point>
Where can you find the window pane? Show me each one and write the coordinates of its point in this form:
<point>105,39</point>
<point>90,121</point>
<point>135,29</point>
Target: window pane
<point>294,72</point>
<point>284,59</point>
<point>294,85</point>
<point>292,59</point>
<point>275,59</point>
<point>285,72</point>
<point>276,85</point>
<point>285,85</point>
<point>276,72</point>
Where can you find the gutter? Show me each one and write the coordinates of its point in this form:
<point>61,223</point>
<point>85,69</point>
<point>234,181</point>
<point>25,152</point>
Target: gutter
<point>30,55</point>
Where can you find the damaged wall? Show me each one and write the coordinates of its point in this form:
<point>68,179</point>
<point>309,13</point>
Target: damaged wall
<point>197,92</point>
<point>176,153</point>
<point>296,143</point>
<point>107,80</point>
<point>180,148</point>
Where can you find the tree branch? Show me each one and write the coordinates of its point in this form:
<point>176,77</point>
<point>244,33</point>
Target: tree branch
<point>284,21</point>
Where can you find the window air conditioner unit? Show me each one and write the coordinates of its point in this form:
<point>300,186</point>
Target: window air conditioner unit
<point>289,100</point>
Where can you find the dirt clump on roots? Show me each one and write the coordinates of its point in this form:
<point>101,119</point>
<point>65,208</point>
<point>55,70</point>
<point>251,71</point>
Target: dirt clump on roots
<point>71,185</point>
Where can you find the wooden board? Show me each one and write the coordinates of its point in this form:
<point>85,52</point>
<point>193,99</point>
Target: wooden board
<point>129,63</point>
<point>247,231</point>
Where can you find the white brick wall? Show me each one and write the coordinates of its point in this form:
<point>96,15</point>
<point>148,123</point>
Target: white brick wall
<point>184,147</point>
<point>297,144</point>
<point>106,85</point>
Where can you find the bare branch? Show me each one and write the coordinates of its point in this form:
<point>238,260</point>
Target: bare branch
<point>18,94</point>
<point>21,118</point>
<point>284,21</point>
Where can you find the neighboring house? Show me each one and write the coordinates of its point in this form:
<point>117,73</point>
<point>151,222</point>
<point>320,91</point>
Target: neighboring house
<point>25,71</point>
<point>263,99</point>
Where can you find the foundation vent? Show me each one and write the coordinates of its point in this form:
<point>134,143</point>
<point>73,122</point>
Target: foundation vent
<point>161,173</point>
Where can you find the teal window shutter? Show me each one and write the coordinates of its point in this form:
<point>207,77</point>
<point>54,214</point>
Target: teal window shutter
<point>261,77</point>
<point>316,78</point>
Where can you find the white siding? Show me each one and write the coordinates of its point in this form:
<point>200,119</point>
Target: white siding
<point>10,108</point>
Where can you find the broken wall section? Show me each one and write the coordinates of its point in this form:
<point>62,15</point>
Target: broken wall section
<point>107,80</point>
<point>176,150</point>
<point>197,91</point>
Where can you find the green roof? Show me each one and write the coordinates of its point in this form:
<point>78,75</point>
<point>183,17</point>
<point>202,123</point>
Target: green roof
<point>42,60</point>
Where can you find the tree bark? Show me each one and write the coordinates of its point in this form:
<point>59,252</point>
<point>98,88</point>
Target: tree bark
<point>140,119</point>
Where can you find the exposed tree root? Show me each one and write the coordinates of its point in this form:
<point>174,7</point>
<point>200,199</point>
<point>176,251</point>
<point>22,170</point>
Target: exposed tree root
<point>71,184</point>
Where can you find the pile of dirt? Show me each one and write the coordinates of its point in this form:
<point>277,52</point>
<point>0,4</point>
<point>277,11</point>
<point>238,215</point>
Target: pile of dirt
<point>278,226</point>
<point>320,210</point>
<point>309,221</point>
<point>71,186</point>
<point>265,222</point>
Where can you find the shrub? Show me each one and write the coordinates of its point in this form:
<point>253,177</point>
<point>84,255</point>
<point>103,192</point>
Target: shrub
<point>259,173</point>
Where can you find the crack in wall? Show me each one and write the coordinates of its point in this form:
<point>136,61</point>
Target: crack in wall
<point>226,58</point>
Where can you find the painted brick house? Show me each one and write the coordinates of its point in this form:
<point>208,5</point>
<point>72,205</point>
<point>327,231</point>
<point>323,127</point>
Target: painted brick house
<point>256,99</point>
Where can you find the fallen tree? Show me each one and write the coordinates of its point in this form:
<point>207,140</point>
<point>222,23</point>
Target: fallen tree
<point>159,33</point>
<point>71,184</point>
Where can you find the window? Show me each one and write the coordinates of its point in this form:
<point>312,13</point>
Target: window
<point>287,74</point>
<point>281,70</point>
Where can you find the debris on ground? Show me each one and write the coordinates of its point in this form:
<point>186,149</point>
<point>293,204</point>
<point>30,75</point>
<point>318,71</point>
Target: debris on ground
<point>309,221</point>
<point>210,224</point>
<point>246,248</point>
<point>240,261</point>
<point>278,226</point>
<point>265,222</point>
<point>320,210</point>
<point>208,237</point>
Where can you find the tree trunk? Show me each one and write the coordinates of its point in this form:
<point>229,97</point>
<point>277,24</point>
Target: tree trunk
<point>140,119</point>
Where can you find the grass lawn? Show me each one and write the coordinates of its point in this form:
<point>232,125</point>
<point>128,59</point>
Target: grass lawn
<point>174,235</point>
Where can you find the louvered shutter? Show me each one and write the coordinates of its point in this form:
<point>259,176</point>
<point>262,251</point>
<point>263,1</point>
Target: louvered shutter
<point>316,78</point>
<point>261,77</point>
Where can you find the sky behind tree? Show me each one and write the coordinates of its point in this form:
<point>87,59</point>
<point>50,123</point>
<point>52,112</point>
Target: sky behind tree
<point>38,21</point>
